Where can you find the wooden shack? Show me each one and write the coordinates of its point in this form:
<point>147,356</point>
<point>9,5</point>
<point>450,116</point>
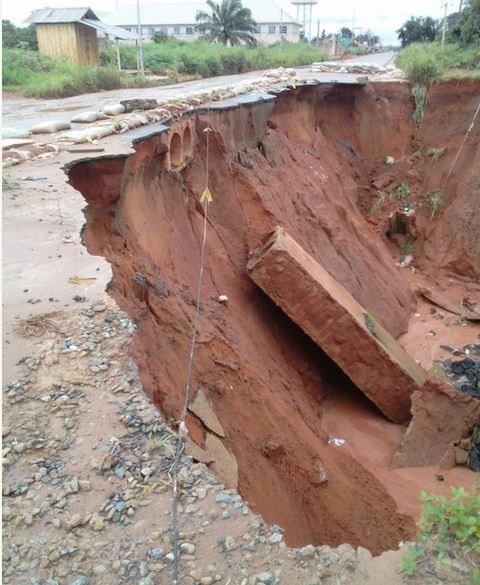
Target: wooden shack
<point>71,33</point>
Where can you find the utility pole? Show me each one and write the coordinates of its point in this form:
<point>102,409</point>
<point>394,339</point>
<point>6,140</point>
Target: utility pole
<point>444,27</point>
<point>140,41</point>
<point>318,34</point>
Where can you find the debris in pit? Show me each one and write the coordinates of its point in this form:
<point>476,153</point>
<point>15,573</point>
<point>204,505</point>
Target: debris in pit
<point>473,460</point>
<point>335,441</point>
<point>202,409</point>
<point>465,375</point>
<point>470,311</point>
<point>340,326</point>
<point>442,417</point>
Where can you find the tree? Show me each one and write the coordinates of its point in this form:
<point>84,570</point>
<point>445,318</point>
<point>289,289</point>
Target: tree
<point>14,37</point>
<point>368,37</point>
<point>418,29</point>
<point>160,37</point>
<point>470,24</point>
<point>229,23</point>
<point>346,33</point>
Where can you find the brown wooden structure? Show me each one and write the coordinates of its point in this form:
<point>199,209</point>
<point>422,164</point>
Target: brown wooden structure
<point>71,33</point>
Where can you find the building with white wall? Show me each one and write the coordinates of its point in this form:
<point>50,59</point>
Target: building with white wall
<point>179,20</point>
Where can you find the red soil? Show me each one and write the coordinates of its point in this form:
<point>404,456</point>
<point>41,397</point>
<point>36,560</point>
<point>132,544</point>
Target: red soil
<point>304,162</point>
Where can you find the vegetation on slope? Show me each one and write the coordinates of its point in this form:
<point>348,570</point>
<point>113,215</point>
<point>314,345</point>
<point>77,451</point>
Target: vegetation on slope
<point>449,534</point>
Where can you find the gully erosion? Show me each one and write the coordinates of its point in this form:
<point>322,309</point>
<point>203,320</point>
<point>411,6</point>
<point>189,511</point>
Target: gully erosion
<point>343,290</point>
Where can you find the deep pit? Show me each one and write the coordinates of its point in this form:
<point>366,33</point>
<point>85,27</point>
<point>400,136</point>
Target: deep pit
<point>311,160</point>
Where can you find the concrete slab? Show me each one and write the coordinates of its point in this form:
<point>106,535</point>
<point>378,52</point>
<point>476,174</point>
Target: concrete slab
<point>345,330</point>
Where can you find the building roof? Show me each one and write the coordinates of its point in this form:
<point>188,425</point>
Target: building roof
<point>263,11</point>
<point>113,31</point>
<point>84,15</point>
<point>60,15</point>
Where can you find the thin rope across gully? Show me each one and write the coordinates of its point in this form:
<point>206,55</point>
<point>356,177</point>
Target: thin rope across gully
<point>470,128</point>
<point>205,199</point>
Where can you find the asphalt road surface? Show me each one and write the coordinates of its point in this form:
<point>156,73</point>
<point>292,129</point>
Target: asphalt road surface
<point>25,112</point>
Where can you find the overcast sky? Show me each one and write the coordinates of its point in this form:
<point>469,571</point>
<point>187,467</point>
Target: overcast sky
<point>382,16</point>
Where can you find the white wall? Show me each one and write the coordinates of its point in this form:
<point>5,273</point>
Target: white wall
<point>264,36</point>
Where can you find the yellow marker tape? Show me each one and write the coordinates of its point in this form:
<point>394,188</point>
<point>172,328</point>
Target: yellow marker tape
<point>206,196</point>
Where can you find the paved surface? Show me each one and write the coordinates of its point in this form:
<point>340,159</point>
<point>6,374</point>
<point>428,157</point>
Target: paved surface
<point>383,59</point>
<point>25,112</point>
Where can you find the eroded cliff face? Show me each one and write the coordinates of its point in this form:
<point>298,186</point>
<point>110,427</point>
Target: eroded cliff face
<point>297,161</point>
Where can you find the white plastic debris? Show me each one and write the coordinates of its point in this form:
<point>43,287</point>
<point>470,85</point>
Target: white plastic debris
<point>182,429</point>
<point>389,160</point>
<point>222,298</point>
<point>336,442</point>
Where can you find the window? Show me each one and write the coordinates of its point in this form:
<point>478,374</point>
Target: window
<point>283,29</point>
<point>164,29</point>
<point>151,31</point>
<point>176,30</point>
<point>189,30</point>
<point>272,29</point>
<point>258,29</point>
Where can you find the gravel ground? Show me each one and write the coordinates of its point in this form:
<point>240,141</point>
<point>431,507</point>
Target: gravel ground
<point>87,490</point>
<point>87,487</point>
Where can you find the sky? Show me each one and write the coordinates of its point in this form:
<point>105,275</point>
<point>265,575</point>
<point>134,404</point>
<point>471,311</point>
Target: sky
<point>381,16</point>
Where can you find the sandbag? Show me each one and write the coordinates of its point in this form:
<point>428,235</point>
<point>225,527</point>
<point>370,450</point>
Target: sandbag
<point>113,109</point>
<point>15,132</point>
<point>88,117</point>
<point>50,127</point>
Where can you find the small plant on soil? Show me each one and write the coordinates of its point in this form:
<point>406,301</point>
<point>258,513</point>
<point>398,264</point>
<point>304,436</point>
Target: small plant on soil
<point>407,247</point>
<point>403,191</point>
<point>434,153</point>
<point>449,530</point>
<point>434,200</point>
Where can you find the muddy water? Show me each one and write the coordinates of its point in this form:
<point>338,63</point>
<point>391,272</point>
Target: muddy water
<point>279,401</point>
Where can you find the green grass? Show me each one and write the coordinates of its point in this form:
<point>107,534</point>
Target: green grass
<point>449,529</point>
<point>208,60</point>
<point>425,62</point>
<point>402,191</point>
<point>33,75</point>
<point>356,51</point>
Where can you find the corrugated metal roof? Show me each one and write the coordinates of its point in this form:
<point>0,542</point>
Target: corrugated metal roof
<point>60,15</point>
<point>263,11</point>
<point>113,31</point>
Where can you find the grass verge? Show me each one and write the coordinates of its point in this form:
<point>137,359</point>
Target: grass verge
<point>34,75</point>
<point>208,60</point>
<point>424,62</point>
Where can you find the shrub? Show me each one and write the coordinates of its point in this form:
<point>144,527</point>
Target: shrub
<point>448,529</point>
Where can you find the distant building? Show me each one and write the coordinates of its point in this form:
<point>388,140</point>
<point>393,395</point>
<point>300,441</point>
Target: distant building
<point>71,33</point>
<point>179,20</point>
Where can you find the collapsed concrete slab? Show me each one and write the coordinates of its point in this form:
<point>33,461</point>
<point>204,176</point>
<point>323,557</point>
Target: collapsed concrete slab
<point>442,416</point>
<point>347,332</point>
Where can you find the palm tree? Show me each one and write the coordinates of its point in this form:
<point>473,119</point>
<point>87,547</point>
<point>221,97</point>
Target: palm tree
<point>229,23</point>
